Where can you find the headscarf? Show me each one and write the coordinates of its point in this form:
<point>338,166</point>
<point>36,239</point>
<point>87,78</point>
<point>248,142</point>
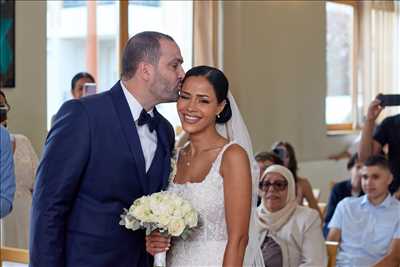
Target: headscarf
<point>273,221</point>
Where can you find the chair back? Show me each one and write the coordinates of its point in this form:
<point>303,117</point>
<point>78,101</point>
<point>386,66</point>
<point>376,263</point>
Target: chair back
<point>331,247</point>
<point>13,255</point>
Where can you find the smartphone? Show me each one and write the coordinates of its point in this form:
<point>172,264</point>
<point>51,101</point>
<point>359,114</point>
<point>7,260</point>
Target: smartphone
<point>389,100</point>
<point>89,89</point>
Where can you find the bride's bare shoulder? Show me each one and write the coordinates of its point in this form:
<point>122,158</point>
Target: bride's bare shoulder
<point>235,154</point>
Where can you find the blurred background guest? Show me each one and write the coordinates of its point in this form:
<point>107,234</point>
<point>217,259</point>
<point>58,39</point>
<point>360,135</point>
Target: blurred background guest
<point>290,234</point>
<point>4,108</point>
<point>368,227</point>
<point>77,86</point>
<point>7,176</point>
<point>15,228</point>
<point>303,187</point>
<point>78,82</point>
<point>387,133</point>
<point>265,159</point>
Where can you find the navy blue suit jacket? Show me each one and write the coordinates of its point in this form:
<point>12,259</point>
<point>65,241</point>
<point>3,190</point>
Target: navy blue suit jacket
<point>93,167</point>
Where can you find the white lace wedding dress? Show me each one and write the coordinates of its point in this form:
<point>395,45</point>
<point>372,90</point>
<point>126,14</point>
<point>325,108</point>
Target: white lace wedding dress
<point>206,244</point>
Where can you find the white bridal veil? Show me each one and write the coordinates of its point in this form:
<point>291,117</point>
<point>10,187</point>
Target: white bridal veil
<point>235,129</point>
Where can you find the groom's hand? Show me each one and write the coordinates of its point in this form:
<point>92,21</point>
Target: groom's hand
<point>155,243</point>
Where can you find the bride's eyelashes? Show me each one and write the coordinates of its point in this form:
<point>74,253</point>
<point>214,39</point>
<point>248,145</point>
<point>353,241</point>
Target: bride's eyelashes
<point>205,101</point>
<point>200,100</point>
<point>183,96</point>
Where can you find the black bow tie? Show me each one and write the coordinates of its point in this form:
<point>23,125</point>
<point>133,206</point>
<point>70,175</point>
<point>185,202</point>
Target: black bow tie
<point>145,118</point>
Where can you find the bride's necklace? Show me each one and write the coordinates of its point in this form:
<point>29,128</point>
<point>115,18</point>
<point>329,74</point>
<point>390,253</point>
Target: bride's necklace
<point>188,154</point>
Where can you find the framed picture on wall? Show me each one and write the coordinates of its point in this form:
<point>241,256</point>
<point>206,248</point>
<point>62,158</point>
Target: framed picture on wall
<point>7,43</point>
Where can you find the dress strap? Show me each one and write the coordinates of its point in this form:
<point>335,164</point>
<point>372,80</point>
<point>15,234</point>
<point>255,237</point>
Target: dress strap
<point>217,162</point>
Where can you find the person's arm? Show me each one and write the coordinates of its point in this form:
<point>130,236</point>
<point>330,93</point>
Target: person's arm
<point>335,234</point>
<point>7,175</point>
<point>235,170</point>
<point>369,146</point>
<point>341,155</point>
<point>313,247</point>
<point>309,195</point>
<point>65,157</point>
<point>392,258</point>
<point>336,223</point>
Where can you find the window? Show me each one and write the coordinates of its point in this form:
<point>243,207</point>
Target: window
<point>340,36</point>
<point>83,36</point>
<point>363,48</point>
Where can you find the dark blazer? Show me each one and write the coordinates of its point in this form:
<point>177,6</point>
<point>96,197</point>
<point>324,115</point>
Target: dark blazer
<point>93,167</point>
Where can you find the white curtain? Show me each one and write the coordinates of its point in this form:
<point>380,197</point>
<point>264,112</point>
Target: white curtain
<point>379,54</point>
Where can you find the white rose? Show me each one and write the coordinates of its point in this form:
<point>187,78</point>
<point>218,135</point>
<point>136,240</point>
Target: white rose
<point>176,201</point>
<point>176,227</point>
<point>141,213</point>
<point>191,219</point>
<point>163,221</point>
<point>185,208</point>
<point>161,209</point>
<point>178,213</point>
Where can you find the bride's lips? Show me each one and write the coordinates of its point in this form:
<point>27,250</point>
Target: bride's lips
<point>190,119</point>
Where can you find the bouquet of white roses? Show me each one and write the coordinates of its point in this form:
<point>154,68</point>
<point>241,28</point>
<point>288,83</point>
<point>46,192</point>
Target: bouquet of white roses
<point>165,211</point>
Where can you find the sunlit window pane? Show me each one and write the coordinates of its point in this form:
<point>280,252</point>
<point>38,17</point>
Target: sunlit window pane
<point>68,47</point>
<point>339,56</point>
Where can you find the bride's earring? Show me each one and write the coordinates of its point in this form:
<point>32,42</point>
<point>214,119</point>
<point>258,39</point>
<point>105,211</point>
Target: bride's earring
<point>218,116</point>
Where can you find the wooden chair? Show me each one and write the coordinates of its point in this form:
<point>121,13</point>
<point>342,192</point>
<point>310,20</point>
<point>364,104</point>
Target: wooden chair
<point>13,255</point>
<point>331,247</point>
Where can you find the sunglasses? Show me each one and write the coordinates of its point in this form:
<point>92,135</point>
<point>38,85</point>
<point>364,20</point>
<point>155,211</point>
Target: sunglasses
<point>278,186</point>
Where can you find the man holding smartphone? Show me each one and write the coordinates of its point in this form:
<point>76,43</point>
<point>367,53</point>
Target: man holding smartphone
<point>386,133</point>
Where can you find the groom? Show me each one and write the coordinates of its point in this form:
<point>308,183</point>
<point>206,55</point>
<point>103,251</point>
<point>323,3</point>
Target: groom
<point>103,152</point>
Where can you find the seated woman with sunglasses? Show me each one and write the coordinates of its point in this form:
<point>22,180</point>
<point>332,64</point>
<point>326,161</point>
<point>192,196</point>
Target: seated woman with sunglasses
<point>289,234</point>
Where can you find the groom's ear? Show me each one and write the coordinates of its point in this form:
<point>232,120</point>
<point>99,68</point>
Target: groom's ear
<point>145,70</point>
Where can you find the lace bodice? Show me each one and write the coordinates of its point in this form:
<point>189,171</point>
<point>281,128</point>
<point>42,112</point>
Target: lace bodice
<point>206,244</point>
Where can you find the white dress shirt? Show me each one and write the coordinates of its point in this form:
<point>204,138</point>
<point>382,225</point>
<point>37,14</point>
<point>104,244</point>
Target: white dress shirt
<point>148,140</point>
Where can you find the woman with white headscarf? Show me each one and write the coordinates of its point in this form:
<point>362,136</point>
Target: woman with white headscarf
<point>290,235</point>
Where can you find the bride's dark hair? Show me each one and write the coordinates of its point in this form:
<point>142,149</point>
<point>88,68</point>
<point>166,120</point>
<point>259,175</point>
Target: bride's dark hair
<point>220,85</point>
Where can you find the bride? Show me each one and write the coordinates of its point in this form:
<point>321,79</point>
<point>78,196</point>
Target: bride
<point>215,174</point>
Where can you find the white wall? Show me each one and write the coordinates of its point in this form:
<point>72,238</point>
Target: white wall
<point>274,56</point>
<point>322,173</point>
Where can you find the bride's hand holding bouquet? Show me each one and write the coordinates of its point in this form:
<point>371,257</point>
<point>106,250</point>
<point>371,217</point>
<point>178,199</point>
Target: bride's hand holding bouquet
<point>162,212</point>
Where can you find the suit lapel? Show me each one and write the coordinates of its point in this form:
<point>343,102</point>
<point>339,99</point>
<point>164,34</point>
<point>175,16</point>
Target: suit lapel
<point>162,135</point>
<point>130,132</point>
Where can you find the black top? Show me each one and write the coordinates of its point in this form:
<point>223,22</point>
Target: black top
<point>340,191</point>
<point>388,132</point>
